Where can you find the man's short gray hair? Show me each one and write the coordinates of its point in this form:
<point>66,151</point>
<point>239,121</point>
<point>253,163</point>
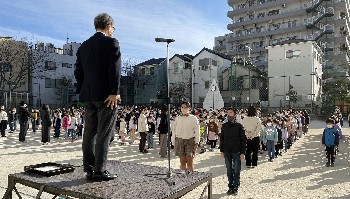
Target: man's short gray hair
<point>102,20</point>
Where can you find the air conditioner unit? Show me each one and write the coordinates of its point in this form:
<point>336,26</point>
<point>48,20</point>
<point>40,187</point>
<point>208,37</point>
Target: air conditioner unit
<point>283,5</point>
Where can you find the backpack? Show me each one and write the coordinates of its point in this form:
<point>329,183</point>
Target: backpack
<point>330,136</point>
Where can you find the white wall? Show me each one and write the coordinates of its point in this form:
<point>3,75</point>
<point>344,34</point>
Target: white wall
<point>201,76</point>
<point>298,69</point>
<point>47,95</point>
<point>181,77</point>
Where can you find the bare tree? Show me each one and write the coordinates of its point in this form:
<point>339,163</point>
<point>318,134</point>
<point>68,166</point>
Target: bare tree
<point>17,64</point>
<point>127,86</point>
<point>64,89</point>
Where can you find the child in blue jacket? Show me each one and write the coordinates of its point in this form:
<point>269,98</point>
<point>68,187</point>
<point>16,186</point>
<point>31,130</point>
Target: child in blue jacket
<point>270,139</point>
<point>330,139</point>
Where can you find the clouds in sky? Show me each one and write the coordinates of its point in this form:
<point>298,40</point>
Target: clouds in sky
<point>137,23</point>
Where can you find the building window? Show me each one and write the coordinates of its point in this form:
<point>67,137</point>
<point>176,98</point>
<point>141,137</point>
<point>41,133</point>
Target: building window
<point>205,68</point>
<point>143,71</point>
<point>293,53</point>
<point>253,83</point>
<point>342,15</point>
<point>204,62</point>
<point>50,65</point>
<point>5,67</point>
<point>206,84</point>
<point>214,62</point>
<point>66,65</point>
<point>343,31</point>
<point>294,23</point>
<point>50,83</point>
<point>176,67</point>
<point>343,48</point>
<point>237,83</point>
<point>151,71</point>
<point>187,65</point>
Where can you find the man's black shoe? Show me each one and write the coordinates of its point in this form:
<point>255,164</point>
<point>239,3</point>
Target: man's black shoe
<point>89,175</point>
<point>103,176</point>
<point>229,192</point>
<point>235,191</point>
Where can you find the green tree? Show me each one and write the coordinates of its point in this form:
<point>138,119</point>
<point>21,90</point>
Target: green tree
<point>293,95</point>
<point>336,91</point>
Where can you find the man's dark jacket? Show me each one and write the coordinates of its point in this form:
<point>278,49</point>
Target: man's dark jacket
<point>232,138</point>
<point>163,124</point>
<point>98,68</point>
<point>24,114</point>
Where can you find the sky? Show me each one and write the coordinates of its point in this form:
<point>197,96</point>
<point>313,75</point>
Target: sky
<point>192,23</point>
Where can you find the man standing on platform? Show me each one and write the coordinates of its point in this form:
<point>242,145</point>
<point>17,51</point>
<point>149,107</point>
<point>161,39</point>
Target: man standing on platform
<point>98,80</point>
<point>232,148</point>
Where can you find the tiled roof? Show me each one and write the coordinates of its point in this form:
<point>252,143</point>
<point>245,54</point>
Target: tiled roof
<point>185,57</point>
<point>151,62</point>
<point>222,55</point>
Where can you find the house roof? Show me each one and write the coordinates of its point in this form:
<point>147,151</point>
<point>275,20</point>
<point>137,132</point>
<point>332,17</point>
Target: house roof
<point>222,55</point>
<point>185,57</point>
<point>151,62</point>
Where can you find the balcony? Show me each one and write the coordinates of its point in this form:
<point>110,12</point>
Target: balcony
<point>282,14</point>
<point>313,5</point>
<point>311,22</point>
<point>267,33</point>
<point>263,5</point>
<point>234,51</point>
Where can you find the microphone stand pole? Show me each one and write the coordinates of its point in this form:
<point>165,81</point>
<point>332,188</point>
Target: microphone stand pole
<point>169,172</point>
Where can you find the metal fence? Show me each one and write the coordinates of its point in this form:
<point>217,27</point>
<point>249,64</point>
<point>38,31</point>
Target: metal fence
<point>12,99</point>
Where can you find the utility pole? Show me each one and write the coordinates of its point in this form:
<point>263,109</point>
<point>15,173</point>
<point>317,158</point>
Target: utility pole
<point>249,67</point>
<point>10,100</point>
<point>289,91</point>
<point>231,81</point>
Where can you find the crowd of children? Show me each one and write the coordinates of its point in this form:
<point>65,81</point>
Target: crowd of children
<point>277,133</point>
<point>278,130</point>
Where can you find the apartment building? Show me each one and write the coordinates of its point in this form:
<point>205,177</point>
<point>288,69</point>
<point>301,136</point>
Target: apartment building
<point>257,24</point>
<point>53,81</point>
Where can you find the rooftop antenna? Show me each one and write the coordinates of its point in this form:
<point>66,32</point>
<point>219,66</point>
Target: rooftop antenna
<point>67,37</point>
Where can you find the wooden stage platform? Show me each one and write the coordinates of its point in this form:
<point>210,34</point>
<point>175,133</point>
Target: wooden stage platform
<point>132,183</point>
